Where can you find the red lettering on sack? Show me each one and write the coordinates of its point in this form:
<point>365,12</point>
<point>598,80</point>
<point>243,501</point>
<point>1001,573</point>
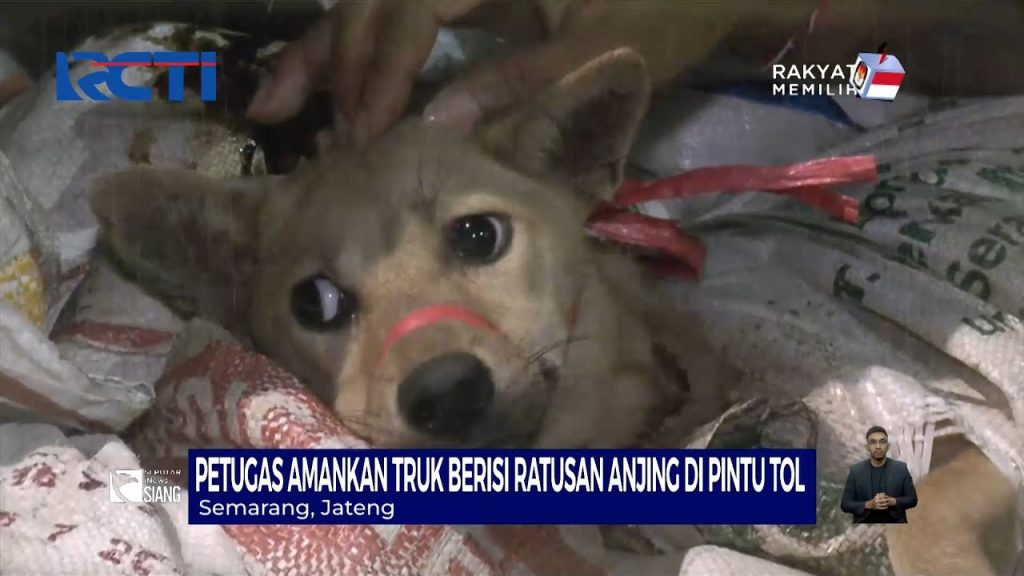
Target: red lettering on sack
<point>41,475</point>
<point>142,557</point>
<point>61,529</point>
<point>89,483</point>
<point>118,552</point>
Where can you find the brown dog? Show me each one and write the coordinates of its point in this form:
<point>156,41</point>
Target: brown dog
<point>437,289</point>
<point>324,268</point>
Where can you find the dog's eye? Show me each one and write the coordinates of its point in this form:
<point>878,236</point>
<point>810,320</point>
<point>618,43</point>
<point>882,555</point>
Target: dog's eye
<point>318,304</point>
<point>480,238</point>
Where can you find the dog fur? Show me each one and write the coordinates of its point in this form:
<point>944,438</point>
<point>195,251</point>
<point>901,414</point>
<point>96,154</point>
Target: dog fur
<point>579,358</point>
<point>373,222</point>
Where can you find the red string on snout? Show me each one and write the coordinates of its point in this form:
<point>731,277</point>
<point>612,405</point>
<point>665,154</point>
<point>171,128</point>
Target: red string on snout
<point>806,182</point>
<point>427,315</point>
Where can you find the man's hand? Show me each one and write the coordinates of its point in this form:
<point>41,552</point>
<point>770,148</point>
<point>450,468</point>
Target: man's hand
<point>369,54</point>
<point>879,502</point>
<point>671,37</point>
<point>12,86</point>
<point>890,501</point>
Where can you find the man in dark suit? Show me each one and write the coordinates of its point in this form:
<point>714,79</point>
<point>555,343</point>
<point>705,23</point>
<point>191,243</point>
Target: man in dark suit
<point>879,490</point>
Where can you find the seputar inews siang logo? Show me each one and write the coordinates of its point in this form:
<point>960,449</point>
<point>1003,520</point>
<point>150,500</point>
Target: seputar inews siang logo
<point>872,76</point>
<point>144,487</point>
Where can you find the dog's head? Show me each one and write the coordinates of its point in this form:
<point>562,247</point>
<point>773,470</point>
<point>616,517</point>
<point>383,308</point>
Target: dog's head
<point>434,288</point>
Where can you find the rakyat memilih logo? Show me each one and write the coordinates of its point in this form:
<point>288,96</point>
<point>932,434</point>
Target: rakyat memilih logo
<point>877,76</point>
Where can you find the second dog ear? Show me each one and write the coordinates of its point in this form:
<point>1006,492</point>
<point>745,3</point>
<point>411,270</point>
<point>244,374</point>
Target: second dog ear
<point>581,129</point>
<point>190,238</point>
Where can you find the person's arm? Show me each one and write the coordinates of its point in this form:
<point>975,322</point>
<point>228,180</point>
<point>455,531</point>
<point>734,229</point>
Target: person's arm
<point>370,52</point>
<point>934,41</point>
<point>848,503</point>
<point>909,498</point>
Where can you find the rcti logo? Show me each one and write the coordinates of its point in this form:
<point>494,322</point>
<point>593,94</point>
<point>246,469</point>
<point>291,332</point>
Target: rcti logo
<point>138,487</point>
<point>108,72</point>
<point>877,76</point>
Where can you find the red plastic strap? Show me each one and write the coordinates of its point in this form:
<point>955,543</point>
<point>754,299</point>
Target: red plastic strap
<point>805,182</point>
<point>427,315</point>
<point>633,229</point>
<point>794,180</point>
<point>843,207</point>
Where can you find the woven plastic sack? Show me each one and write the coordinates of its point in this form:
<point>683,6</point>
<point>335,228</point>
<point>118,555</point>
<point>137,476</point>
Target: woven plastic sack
<point>93,361</point>
<point>49,152</point>
<point>823,315</point>
<point>909,320</point>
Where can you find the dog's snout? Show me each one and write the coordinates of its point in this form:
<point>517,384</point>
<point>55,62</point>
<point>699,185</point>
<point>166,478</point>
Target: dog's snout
<point>447,396</point>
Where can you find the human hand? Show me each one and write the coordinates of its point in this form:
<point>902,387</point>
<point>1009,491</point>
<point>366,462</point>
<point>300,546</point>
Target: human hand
<point>890,501</point>
<point>670,36</point>
<point>13,85</point>
<point>370,52</point>
<point>880,501</point>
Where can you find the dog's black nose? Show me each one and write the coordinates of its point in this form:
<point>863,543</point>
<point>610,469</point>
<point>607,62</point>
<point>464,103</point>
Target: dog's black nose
<point>446,396</point>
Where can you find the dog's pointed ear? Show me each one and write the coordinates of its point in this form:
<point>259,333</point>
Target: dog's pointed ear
<point>190,238</point>
<point>581,129</point>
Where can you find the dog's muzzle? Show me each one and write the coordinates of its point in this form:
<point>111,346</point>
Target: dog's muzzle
<point>449,395</point>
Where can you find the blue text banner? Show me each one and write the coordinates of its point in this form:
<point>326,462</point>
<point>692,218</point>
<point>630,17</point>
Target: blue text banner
<point>236,486</point>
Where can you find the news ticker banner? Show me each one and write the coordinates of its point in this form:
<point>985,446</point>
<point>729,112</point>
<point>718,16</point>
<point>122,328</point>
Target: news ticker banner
<point>229,486</point>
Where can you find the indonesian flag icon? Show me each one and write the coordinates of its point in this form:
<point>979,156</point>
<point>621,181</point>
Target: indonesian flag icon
<point>877,76</point>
